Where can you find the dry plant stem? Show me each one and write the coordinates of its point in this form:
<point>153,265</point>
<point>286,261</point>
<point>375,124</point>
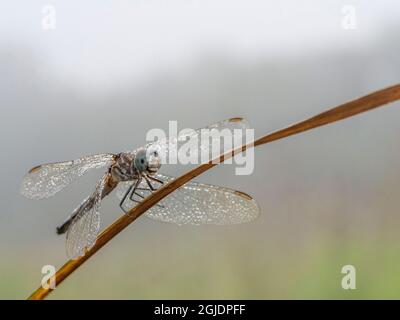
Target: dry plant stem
<point>343,111</point>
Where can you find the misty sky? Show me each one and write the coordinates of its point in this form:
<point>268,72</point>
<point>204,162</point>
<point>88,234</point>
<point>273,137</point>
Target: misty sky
<point>98,45</point>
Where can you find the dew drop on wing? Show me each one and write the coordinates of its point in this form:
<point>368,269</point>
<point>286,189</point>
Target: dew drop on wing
<point>46,180</point>
<point>163,146</point>
<point>82,233</point>
<point>197,203</point>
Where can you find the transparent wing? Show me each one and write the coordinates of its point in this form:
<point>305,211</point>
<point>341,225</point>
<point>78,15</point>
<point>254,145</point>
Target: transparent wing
<point>197,203</point>
<point>46,180</point>
<point>175,143</point>
<point>82,233</point>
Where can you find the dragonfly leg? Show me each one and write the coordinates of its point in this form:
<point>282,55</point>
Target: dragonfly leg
<point>155,179</point>
<point>137,194</point>
<point>133,186</point>
<point>140,196</point>
<point>148,178</point>
<point>138,181</point>
<point>149,183</point>
<point>121,204</point>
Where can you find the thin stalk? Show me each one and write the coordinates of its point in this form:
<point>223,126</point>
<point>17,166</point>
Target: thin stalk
<point>349,109</point>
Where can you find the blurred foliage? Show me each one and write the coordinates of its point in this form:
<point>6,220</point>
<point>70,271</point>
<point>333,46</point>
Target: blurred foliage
<point>314,272</point>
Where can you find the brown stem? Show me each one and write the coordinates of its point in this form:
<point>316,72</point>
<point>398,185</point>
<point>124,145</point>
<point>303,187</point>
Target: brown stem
<point>349,109</point>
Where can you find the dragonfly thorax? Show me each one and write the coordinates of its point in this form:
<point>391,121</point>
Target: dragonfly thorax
<point>123,168</point>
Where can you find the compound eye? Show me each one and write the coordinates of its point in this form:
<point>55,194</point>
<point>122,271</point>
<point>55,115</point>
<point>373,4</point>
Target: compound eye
<point>141,161</point>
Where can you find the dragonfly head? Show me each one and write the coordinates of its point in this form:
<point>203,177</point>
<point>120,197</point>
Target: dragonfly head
<point>147,161</point>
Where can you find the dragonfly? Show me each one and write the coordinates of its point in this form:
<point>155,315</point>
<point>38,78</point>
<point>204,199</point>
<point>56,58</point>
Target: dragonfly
<point>135,175</point>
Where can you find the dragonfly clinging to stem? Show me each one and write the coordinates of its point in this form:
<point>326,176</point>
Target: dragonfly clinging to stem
<point>136,175</point>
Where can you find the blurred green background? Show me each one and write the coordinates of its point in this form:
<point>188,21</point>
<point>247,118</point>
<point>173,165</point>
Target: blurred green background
<point>109,72</point>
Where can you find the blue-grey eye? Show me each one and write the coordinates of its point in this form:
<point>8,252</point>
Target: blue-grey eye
<point>141,161</point>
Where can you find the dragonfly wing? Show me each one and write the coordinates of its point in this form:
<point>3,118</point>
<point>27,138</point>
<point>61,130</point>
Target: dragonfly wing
<point>82,233</point>
<point>197,203</point>
<point>46,180</point>
<point>163,146</point>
